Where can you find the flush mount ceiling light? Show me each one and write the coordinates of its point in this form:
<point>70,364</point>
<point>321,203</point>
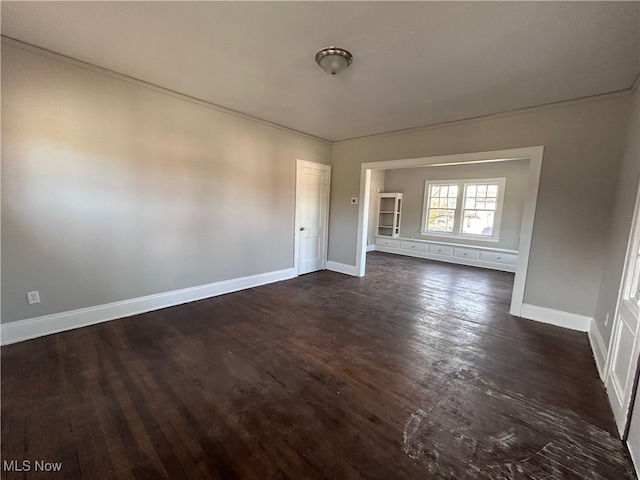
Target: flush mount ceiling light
<point>333,59</point>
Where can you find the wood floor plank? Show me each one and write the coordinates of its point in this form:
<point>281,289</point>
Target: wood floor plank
<point>416,371</point>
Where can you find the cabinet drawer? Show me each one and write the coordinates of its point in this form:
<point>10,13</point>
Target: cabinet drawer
<point>440,250</point>
<point>465,253</point>
<point>387,242</point>
<point>421,247</point>
<point>507,258</point>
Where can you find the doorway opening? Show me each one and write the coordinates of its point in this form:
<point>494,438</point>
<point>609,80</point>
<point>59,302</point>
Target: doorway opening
<point>532,154</point>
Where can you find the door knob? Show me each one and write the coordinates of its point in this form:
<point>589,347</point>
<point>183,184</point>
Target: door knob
<point>301,229</point>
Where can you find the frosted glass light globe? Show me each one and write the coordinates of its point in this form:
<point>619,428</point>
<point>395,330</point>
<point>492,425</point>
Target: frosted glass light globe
<point>333,59</point>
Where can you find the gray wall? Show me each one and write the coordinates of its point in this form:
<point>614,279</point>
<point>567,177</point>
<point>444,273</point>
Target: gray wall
<point>411,181</point>
<point>620,225</point>
<point>583,147</point>
<point>111,190</point>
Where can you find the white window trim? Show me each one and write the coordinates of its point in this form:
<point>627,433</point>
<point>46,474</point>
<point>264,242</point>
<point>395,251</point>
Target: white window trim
<point>457,223</point>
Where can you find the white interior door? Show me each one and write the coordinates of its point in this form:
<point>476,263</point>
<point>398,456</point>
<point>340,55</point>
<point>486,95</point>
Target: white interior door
<point>625,342</point>
<point>312,216</point>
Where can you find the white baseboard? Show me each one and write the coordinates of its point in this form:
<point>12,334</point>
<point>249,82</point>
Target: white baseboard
<point>342,268</point>
<point>559,318</point>
<point>37,327</point>
<point>371,248</point>
<point>598,348</point>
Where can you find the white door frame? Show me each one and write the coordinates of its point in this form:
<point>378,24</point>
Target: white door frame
<point>296,237</point>
<point>533,154</point>
<point>632,247</point>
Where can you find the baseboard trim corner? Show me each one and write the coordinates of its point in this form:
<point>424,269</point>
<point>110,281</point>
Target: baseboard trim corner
<point>30,328</point>
<point>598,348</point>
<point>342,268</point>
<point>558,318</point>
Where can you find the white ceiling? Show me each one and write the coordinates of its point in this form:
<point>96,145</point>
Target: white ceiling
<point>415,63</point>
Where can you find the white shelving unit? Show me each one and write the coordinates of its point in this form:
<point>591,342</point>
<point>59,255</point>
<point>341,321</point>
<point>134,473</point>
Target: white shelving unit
<point>389,213</point>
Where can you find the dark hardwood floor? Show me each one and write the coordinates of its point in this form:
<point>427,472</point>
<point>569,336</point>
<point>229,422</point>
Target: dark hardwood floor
<point>416,371</point>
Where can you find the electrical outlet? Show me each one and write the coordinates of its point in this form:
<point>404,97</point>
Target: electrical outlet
<point>33,297</point>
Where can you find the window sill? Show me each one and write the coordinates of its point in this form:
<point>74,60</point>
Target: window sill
<point>474,238</point>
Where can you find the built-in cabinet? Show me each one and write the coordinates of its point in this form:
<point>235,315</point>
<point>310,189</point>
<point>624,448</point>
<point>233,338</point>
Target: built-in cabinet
<point>389,214</point>
<point>494,258</point>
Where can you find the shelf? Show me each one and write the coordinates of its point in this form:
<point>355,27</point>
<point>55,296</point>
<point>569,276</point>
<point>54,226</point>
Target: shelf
<point>389,212</point>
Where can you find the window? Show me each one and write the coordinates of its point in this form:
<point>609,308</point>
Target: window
<point>442,207</point>
<point>464,208</point>
<point>480,204</point>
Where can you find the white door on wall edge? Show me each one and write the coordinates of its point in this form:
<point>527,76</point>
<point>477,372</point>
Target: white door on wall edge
<point>624,348</point>
<point>312,216</point>
<point>633,442</point>
<point>623,362</point>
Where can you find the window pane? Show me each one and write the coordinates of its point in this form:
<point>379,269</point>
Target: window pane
<point>471,190</point>
<point>491,204</point>
<point>480,203</point>
<point>451,203</point>
<point>478,222</point>
<point>453,190</point>
<point>482,190</point>
<point>492,190</point>
<point>440,220</point>
<point>435,190</point>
